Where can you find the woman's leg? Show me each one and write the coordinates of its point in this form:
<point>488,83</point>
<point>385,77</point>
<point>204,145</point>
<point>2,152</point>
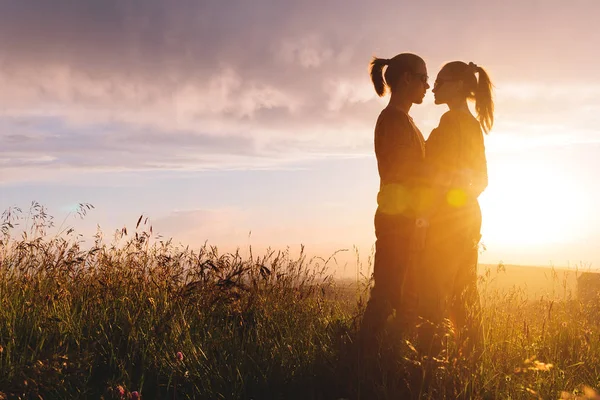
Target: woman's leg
<point>465,307</point>
<point>432,281</point>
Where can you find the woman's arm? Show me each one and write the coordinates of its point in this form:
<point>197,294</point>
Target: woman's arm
<point>473,176</point>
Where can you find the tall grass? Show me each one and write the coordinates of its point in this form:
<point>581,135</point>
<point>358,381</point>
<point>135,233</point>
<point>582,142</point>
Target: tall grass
<point>143,316</point>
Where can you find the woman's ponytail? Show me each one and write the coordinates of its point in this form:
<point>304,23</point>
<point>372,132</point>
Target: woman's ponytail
<point>484,104</point>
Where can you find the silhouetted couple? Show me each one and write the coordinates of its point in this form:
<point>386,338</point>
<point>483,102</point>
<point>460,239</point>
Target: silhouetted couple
<point>428,220</point>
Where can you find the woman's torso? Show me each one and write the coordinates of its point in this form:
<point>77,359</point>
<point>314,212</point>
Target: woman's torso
<point>455,155</point>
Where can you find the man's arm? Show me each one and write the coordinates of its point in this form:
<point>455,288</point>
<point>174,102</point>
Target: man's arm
<point>395,150</point>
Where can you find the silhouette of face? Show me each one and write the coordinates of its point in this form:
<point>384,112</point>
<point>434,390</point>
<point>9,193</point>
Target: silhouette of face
<point>418,85</point>
<point>446,88</point>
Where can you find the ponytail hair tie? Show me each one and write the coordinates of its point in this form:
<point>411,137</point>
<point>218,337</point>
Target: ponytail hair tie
<point>473,67</point>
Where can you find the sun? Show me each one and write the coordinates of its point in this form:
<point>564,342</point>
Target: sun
<point>531,202</point>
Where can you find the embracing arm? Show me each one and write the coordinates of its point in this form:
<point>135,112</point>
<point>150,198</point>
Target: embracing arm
<point>479,179</point>
<point>473,176</point>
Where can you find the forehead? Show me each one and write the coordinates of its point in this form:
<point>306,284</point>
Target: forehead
<point>444,74</point>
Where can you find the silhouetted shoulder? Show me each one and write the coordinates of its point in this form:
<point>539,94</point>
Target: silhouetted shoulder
<point>441,138</point>
<point>462,121</point>
<point>393,130</point>
<point>393,118</point>
<point>450,119</point>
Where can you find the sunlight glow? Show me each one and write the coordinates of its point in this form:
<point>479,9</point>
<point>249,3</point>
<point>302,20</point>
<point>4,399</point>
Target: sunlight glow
<point>532,202</point>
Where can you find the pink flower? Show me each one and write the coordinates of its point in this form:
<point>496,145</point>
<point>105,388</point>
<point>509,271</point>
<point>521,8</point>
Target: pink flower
<point>135,395</point>
<point>180,356</point>
<point>121,391</point>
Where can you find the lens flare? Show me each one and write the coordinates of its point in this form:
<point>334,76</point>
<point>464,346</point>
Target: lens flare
<point>456,197</point>
<point>393,199</point>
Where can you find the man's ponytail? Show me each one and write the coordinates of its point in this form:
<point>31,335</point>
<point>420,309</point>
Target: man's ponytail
<point>379,83</point>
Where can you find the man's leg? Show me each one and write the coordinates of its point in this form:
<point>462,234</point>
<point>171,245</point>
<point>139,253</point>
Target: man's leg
<point>388,270</point>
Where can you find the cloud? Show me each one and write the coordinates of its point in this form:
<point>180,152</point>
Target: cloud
<point>188,84</point>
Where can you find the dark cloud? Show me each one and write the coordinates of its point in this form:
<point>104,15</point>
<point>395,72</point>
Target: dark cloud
<point>268,40</point>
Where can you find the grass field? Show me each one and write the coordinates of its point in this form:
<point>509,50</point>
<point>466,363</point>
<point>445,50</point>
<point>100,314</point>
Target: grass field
<point>136,317</point>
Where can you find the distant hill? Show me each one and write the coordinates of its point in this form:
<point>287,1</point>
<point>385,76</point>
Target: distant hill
<point>532,282</point>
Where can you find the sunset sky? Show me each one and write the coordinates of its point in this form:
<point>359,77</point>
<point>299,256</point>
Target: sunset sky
<point>251,122</point>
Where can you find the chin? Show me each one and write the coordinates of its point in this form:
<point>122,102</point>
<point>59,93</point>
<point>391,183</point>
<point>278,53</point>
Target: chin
<point>438,101</point>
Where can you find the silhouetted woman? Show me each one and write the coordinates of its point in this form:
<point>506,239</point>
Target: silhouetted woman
<point>455,156</point>
<point>400,152</point>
